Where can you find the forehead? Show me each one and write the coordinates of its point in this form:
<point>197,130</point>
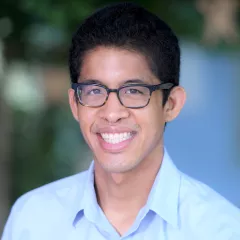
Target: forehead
<point>112,65</point>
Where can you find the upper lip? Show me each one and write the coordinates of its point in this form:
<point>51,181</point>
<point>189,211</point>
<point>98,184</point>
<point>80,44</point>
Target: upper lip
<point>114,129</point>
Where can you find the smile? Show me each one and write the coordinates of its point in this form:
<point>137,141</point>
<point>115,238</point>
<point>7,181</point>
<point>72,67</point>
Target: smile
<point>115,138</point>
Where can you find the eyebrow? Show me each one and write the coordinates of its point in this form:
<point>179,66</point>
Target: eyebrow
<point>91,81</point>
<point>130,81</point>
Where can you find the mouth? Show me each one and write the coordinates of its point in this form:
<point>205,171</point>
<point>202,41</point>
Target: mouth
<point>115,142</point>
<point>115,138</point>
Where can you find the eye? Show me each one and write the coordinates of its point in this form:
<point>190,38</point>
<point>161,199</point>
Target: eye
<point>133,91</point>
<point>94,91</point>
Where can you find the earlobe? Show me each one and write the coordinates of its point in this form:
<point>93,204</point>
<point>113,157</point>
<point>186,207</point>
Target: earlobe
<point>168,117</point>
<point>175,103</point>
<point>73,103</point>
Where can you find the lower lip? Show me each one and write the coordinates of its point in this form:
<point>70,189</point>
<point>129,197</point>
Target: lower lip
<point>116,147</point>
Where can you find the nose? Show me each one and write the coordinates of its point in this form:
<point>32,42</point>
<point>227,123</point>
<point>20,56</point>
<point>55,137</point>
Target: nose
<point>113,111</point>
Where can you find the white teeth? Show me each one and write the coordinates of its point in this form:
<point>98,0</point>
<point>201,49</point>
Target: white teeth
<point>116,137</point>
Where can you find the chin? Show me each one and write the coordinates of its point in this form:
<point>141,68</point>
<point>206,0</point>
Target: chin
<point>117,164</point>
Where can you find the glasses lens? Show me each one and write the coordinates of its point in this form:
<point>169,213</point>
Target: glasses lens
<point>134,96</point>
<point>91,95</point>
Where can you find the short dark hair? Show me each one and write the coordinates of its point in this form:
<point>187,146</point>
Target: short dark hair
<point>128,26</point>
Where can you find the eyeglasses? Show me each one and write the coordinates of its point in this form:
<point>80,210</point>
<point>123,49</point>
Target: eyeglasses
<point>130,96</point>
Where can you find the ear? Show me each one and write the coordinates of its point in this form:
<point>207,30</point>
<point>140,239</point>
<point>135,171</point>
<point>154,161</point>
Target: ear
<point>73,103</point>
<point>175,103</point>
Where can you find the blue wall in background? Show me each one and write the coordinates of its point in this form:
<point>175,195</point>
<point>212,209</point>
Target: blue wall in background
<point>204,140</point>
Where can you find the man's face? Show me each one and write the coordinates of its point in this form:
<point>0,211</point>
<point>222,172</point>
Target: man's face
<point>120,138</point>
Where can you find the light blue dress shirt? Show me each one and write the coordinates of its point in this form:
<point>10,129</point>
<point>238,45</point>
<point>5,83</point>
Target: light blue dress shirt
<point>178,208</point>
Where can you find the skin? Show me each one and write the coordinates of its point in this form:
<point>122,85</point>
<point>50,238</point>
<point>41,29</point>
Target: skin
<point>124,179</point>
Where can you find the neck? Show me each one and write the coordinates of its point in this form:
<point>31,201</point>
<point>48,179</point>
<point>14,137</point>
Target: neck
<point>126,193</point>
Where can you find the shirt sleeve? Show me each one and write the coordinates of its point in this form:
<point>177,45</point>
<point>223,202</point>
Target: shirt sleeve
<point>224,224</point>
<point>7,231</point>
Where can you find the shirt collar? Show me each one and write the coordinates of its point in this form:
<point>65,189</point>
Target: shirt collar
<point>164,196</point>
<point>86,199</point>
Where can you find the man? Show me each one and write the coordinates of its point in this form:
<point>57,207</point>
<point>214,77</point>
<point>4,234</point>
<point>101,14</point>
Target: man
<point>124,66</point>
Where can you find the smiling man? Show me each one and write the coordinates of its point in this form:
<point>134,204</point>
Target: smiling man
<point>124,65</point>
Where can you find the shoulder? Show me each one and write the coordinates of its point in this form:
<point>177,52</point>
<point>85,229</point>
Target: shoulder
<point>59,189</point>
<point>206,212</point>
<point>46,204</point>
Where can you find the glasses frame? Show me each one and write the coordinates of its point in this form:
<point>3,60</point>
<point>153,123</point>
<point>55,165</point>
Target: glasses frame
<point>152,88</point>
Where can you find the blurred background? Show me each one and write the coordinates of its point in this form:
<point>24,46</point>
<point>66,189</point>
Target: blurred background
<point>39,140</point>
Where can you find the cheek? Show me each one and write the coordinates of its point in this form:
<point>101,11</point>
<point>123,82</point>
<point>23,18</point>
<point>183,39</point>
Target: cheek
<point>86,117</point>
<point>151,119</point>
<point>157,109</point>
